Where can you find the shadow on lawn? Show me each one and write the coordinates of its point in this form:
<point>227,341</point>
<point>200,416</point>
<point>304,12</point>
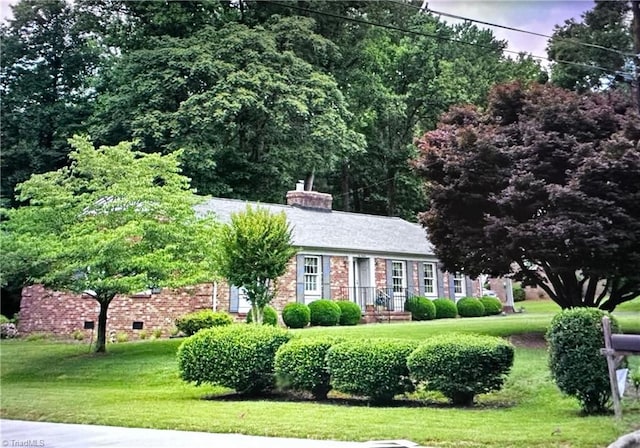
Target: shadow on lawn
<point>336,399</point>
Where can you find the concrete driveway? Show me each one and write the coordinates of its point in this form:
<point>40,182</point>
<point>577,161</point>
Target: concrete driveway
<point>23,434</point>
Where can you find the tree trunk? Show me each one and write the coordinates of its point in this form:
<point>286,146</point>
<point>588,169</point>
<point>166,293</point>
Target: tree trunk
<point>101,342</point>
<point>635,8</point>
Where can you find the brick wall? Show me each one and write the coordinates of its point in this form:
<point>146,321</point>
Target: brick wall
<point>61,313</point>
<point>339,277</point>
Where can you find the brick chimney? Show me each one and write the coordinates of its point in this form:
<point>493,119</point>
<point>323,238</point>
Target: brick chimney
<point>309,199</point>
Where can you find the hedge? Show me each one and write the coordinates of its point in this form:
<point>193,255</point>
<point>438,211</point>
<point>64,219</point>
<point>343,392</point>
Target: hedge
<point>324,312</point>
<point>296,315</point>
<point>374,368</point>
<point>470,307</point>
<point>445,308</point>
<point>461,366</point>
<point>269,317</point>
<point>239,357</point>
<point>420,308</point>
<point>350,312</point>
<point>492,305</point>
<point>191,323</point>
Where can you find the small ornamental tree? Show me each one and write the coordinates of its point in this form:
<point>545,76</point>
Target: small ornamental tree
<point>253,251</point>
<point>113,222</point>
<point>542,183</point>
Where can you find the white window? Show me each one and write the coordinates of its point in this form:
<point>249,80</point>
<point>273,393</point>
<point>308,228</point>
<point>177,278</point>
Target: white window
<point>312,275</point>
<point>429,280</point>
<point>397,276</point>
<point>458,285</point>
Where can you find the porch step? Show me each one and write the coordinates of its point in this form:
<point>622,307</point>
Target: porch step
<point>372,317</point>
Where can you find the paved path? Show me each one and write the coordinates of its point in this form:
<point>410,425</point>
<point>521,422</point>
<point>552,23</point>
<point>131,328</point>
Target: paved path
<point>22,434</point>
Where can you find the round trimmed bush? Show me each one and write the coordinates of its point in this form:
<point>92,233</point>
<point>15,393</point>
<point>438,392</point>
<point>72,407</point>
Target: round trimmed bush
<point>575,338</point>
<point>350,312</point>
<point>470,307</point>
<point>420,308</point>
<point>461,366</point>
<point>519,294</point>
<point>239,357</point>
<point>492,305</point>
<point>191,323</point>
<point>301,365</point>
<point>374,368</point>
<point>445,308</point>
<point>269,317</point>
<point>296,315</point>
<point>325,313</point>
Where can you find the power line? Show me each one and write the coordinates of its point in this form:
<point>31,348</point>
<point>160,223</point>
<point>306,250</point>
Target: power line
<point>496,25</point>
<point>439,37</point>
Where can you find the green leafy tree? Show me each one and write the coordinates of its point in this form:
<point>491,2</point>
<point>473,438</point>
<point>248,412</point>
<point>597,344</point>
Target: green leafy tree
<point>604,28</point>
<point>48,63</point>
<point>254,250</point>
<point>114,222</point>
<point>251,115</point>
<point>544,179</point>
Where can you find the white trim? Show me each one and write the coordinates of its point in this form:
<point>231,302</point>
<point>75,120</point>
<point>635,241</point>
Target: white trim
<point>317,292</point>
<point>351,281</point>
<point>359,254</point>
<point>433,278</point>
<point>463,286</point>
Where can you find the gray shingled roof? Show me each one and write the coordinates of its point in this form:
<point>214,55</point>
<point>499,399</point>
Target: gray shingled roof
<point>340,231</point>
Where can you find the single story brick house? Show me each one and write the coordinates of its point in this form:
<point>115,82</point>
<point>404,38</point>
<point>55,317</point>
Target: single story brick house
<point>375,261</point>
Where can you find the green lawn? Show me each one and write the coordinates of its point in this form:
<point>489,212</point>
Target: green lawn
<point>137,385</point>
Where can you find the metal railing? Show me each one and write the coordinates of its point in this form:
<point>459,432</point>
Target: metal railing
<point>377,299</point>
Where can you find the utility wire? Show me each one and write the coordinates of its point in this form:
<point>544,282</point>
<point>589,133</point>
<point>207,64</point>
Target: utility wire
<point>533,33</point>
<point>439,37</point>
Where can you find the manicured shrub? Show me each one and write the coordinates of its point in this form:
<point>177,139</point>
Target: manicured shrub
<point>420,308</point>
<point>8,330</point>
<point>445,308</point>
<point>575,338</point>
<point>296,315</point>
<point>269,317</point>
<point>470,307</point>
<point>239,357</point>
<point>325,313</point>
<point>461,366</point>
<point>350,312</point>
<point>374,368</point>
<point>492,305</point>
<point>301,365</point>
<point>191,323</point>
<point>519,294</point>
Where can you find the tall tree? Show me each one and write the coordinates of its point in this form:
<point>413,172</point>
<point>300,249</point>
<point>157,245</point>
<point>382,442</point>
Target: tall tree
<point>606,29</point>
<point>253,251</point>
<point>45,80</point>
<point>545,180</point>
<point>113,222</point>
<point>251,115</point>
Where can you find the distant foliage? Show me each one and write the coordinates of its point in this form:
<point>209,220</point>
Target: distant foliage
<point>191,323</point>
<point>296,315</point>
<point>350,312</point>
<point>373,368</point>
<point>492,305</point>
<point>301,365</point>
<point>445,308</point>
<point>240,357</point>
<point>270,316</point>
<point>4,319</point>
<point>470,307</point>
<point>462,365</point>
<point>324,312</point>
<point>420,308</point>
<point>575,338</point>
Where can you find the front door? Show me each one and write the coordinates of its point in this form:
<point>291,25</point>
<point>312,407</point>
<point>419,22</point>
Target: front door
<point>399,283</point>
<point>363,291</point>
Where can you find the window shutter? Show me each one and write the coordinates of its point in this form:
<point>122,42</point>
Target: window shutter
<point>326,277</point>
<point>421,290</point>
<point>234,301</point>
<point>300,278</point>
<point>409,274</point>
<point>389,287</point>
<point>468,286</point>
<point>440,281</point>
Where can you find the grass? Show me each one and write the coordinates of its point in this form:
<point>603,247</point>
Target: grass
<point>137,385</point>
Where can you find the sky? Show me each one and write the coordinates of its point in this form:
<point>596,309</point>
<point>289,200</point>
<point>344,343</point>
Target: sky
<point>539,16</point>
